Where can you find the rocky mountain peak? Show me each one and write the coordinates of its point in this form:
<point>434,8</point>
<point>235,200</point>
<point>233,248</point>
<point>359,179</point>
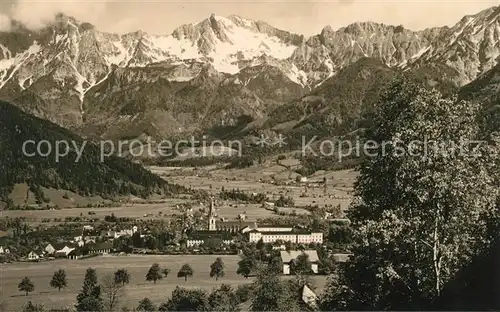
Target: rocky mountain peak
<point>469,48</point>
<point>326,32</point>
<point>70,61</point>
<point>354,29</point>
<point>63,22</point>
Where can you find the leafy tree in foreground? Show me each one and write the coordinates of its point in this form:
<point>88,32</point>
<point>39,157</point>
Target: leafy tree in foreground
<point>422,201</point>
<point>336,294</point>
<point>185,271</point>
<point>246,266</point>
<point>59,280</point>
<point>223,299</point>
<point>269,293</point>
<point>154,273</point>
<point>90,304</point>
<point>146,305</point>
<point>26,285</point>
<point>243,292</point>
<point>186,300</point>
<point>217,269</point>
<point>122,277</point>
<point>89,298</point>
<point>275,263</point>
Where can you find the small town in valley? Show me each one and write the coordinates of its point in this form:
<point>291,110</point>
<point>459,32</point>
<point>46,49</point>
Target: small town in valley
<point>256,223</point>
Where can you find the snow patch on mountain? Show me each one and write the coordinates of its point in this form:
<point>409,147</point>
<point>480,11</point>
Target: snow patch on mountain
<point>297,76</point>
<point>119,56</point>
<point>183,49</point>
<point>218,39</point>
<point>14,63</point>
<point>244,43</point>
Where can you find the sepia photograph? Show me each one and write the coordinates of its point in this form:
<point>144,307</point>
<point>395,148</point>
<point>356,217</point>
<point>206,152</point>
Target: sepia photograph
<point>266,155</point>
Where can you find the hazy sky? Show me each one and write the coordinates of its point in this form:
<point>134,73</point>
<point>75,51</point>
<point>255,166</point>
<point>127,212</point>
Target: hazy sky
<point>303,17</point>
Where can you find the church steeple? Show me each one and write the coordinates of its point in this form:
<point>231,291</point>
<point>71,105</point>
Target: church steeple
<point>211,216</point>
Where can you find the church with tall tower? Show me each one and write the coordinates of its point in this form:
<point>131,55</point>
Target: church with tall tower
<point>211,216</point>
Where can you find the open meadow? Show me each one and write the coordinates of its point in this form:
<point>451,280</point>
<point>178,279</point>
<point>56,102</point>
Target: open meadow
<point>137,265</point>
<point>126,210</point>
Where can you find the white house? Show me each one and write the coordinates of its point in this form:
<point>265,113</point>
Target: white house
<point>271,237</point>
<point>64,252</point>
<point>89,240</point>
<point>285,236</point>
<point>33,256</point>
<point>49,249</point>
<point>288,256</point>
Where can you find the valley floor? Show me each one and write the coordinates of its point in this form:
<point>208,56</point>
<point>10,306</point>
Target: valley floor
<point>271,180</point>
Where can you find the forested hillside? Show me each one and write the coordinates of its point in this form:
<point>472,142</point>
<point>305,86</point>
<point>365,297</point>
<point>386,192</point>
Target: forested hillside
<point>87,176</point>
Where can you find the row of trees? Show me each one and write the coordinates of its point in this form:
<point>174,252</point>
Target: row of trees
<point>156,273</point>
<point>121,277</point>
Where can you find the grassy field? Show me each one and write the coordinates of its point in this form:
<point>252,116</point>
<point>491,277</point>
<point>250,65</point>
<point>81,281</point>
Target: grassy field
<point>127,210</point>
<point>139,288</point>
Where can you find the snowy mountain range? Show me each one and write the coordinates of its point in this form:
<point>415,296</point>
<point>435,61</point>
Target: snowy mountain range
<point>212,73</point>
